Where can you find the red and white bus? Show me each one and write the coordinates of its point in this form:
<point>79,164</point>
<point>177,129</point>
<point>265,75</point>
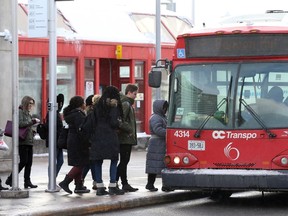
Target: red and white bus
<point>228,110</point>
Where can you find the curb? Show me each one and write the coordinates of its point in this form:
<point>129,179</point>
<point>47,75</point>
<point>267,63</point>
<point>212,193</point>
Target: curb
<point>91,208</point>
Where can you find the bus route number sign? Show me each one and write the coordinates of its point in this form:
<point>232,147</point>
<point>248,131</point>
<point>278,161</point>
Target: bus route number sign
<point>196,145</point>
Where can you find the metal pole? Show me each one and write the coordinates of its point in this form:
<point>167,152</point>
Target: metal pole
<point>193,13</point>
<point>15,192</point>
<point>158,40</point>
<point>15,93</point>
<point>52,104</point>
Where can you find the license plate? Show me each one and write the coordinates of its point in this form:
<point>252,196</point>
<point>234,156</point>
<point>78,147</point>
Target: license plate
<point>196,145</point>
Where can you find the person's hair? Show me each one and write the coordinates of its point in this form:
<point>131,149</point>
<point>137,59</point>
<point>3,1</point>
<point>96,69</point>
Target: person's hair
<point>60,101</point>
<point>130,88</point>
<point>75,102</point>
<point>96,98</point>
<point>104,105</point>
<point>25,101</point>
<point>89,101</point>
<point>276,94</point>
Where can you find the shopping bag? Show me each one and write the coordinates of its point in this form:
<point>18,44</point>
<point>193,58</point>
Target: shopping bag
<point>8,130</point>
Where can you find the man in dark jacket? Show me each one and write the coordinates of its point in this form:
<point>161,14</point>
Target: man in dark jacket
<point>127,135</point>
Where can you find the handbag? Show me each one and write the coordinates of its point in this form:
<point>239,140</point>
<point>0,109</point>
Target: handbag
<point>62,140</point>
<point>8,130</point>
<point>42,130</point>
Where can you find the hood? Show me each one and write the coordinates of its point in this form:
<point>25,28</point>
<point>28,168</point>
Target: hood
<point>69,117</point>
<point>158,107</point>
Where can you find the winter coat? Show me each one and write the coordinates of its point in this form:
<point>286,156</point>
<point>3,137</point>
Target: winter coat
<point>25,120</point>
<point>59,126</point>
<point>104,141</point>
<point>127,133</point>
<point>77,149</point>
<point>157,142</point>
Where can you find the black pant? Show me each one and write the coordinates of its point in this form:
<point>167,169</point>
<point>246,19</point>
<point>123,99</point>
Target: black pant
<point>26,159</point>
<point>151,179</point>
<point>125,153</point>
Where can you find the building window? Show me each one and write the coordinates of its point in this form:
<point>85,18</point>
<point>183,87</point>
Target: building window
<point>30,81</point>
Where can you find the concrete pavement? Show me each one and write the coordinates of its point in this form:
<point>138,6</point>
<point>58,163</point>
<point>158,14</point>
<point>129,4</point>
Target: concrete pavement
<point>40,202</point>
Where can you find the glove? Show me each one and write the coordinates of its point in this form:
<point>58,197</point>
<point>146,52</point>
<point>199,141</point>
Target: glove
<point>35,120</point>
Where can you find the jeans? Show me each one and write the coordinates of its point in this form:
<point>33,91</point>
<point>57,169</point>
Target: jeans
<point>113,170</point>
<point>92,167</point>
<point>59,161</point>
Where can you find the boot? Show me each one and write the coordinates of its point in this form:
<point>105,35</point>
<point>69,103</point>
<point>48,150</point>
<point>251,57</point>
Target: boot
<point>151,188</point>
<point>129,188</point>
<point>28,184</point>
<point>9,181</point>
<point>150,183</point>
<point>65,184</point>
<point>101,189</point>
<point>80,188</point>
<point>166,189</point>
<point>113,190</point>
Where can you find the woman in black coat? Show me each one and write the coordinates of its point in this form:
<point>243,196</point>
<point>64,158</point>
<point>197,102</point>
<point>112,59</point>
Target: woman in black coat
<point>78,151</point>
<point>104,141</point>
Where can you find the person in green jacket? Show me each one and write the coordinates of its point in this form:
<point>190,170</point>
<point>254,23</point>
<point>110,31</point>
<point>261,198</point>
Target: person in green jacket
<point>26,145</point>
<point>127,135</point>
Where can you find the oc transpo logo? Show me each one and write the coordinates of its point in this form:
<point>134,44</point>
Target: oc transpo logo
<point>232,135</point>
<point>231,153</point>
<point>218,134</point>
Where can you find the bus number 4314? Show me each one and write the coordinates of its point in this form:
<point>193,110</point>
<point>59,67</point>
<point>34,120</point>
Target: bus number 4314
<point>181,133</point>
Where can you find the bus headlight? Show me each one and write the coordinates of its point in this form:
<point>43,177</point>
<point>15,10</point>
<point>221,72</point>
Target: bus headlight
<point>186,160</point>
<point>284,160</point>
<point>176,160</point>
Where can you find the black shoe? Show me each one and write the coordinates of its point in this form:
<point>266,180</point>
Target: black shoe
<point>115,191</point>
<point>129,188</point>
<point>101,191</point>
<point>151,188</point>
<point>81,189</point>
<point>167,189</point>
<point>9,181</point>
<point>29,184</point>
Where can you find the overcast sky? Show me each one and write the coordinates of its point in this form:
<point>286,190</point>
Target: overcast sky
<point>208,11</point>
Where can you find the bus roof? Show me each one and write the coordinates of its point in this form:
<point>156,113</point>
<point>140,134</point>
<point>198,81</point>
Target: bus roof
<point>273,21</point>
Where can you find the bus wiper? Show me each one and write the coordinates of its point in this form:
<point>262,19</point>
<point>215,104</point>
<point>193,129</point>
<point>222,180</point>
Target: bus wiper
<point>197,133</point>
<point>257,118</point>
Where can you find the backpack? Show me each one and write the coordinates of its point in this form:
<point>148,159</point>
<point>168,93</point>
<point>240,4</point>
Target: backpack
<point>42,130</point>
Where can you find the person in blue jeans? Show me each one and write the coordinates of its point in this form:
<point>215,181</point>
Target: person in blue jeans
<point>90,101</point>
<point>59,125</point>
<point>104,141</point>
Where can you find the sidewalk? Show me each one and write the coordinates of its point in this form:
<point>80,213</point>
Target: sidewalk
<point>41,203</point>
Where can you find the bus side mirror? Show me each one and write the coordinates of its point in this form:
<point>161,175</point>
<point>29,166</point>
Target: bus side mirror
<point>155,78</point>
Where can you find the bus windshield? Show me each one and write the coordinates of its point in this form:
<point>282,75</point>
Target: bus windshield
<point>246,95</point>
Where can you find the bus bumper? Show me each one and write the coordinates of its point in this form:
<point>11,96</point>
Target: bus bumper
<point>219,179</point>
